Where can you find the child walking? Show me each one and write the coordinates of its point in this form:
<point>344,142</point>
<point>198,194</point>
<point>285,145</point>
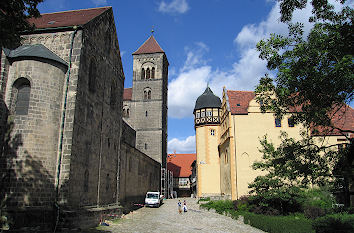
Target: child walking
<point>179,207</point>
<point>185,206</point>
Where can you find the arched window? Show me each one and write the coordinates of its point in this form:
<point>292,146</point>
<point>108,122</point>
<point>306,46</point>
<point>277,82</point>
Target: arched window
<point>147,73</point>
<point>142,73</point>
<point>146,113</point>
<point>153,72</point>
<point>92,76</point>
<point>126,111</point>
<point>147,94</point>
<point>21,96</point>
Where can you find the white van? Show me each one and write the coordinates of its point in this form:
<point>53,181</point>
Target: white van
<point>153,199</point>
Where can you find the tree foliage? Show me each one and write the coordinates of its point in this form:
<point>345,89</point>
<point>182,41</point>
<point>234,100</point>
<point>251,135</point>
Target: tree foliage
<point>13,20</point>
<point>314,75</point>
<point>296,163</point>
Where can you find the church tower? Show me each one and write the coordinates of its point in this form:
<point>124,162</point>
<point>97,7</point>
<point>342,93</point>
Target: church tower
<point>149,100</point>
<point>207,130</point>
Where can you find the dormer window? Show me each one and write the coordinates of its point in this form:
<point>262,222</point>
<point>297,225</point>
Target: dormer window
<point>209,113</point>
<point>203,114</point>
<point>197,115</point>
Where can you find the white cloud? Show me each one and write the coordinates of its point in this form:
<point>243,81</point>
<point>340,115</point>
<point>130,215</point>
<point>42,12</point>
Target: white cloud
<point>175,6</point>
<point>182,146</point>
<point>99,2</point>
<point>191,80</point>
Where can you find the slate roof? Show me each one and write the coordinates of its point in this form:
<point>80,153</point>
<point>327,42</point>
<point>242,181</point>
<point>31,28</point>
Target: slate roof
<point>239,101</point>
<point>180,164</point>
<point>149,46</point>
<point>127,94</point>
<point>207,100</point>
<point>67,18</point>
<point>37,50</point>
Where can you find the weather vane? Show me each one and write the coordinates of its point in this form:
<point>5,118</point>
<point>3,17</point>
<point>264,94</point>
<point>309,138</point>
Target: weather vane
<point>152,30</point>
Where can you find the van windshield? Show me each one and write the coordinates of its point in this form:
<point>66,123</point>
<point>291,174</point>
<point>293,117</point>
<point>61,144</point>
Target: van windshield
<point>152,195</point>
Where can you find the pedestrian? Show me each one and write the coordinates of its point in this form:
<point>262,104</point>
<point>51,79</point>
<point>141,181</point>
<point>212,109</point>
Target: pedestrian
<point>179,207</point>
<point>185,206</point>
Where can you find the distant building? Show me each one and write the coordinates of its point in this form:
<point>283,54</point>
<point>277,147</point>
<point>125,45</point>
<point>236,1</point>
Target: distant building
<point>227,139</point>
<point>181,167</point>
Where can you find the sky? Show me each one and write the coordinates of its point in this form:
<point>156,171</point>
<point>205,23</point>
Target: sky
<point>205,42</point>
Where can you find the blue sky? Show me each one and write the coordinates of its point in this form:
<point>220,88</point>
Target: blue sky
<point>205,41</point>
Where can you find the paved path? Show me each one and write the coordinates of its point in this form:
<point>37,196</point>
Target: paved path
<point>167,219</point>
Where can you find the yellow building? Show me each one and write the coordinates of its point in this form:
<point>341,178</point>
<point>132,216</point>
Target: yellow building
<point>227,140</point>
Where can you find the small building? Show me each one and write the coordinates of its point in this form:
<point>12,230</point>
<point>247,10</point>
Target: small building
<point>180,165</point>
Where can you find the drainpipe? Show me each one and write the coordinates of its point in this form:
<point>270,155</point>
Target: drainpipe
<point>62,128</point>
<point>233,119</point>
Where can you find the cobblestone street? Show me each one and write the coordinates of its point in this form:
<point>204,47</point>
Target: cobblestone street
<point>167,219</point>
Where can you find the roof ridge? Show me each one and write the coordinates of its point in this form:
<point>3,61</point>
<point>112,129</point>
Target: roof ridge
<point>58,12</point>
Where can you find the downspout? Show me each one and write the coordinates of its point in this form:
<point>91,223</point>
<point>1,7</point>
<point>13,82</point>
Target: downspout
<point>62,128</point>
<point>233,119</point>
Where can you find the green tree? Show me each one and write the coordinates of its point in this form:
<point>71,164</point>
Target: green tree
<point>13,20</point>
<point>314,75</point>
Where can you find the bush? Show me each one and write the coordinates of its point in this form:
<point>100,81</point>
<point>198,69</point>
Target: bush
<point>219,206</point>
<point>204,199</point>
<point>339,223</point>
<point>279,224</point>
<point>241,204</point>
<point>320,198</point>
<point>313,212</point>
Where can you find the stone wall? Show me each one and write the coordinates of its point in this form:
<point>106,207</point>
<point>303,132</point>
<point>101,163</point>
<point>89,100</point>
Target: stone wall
<point>138,174</point>
<point>94,159</point>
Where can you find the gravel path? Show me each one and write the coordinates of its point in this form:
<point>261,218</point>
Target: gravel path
<point>167,219</point>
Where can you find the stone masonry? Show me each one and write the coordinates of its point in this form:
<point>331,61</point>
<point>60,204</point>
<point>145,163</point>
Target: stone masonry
<point>65,146</point>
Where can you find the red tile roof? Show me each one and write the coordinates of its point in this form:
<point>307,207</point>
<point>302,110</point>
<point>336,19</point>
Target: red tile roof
<point>127,94</point>
<point>180,164</point>
<point>343,118</point>
<point>67,18</point>
<point>149,46</point>
<point>239,101</point>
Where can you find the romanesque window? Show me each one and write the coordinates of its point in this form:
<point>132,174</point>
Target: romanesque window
<point>147,94</point>
<point>142,73</point>
<point>92,76</point>
<point>147,73</point>
<point>126,111</point>
<point>21,96</point>
<point>146,113</point>
<point>153,73</point>
<point>86,180</point>
<point>145,146</point>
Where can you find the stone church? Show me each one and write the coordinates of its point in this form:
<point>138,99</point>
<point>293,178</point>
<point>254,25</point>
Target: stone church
<point>67,157</point>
